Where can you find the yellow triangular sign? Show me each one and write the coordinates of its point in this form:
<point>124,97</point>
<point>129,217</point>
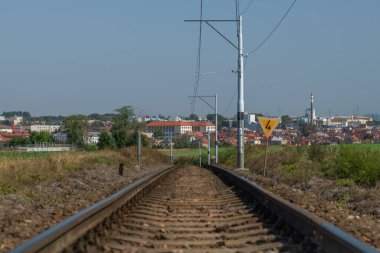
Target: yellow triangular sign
<point>268,125</point>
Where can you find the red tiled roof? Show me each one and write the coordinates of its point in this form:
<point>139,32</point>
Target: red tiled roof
<point>10,135</point>
<point>179,123</point>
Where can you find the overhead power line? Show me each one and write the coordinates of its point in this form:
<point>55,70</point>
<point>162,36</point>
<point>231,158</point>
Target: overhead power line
<point>198,66</point>
<point>230,103</point>
<point>274,29</point>
<point>246,8</point>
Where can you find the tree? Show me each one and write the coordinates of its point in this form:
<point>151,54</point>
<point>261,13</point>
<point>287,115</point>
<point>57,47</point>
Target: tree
<point>184,141</point>
<point>17,113</point>
<point>124,118</point>
<point>284,121</point>
<point>158,134</point>
<point>305,128</point>
<point>106,141</point>
<point>211,117</point>
<point>39,137</point>
<point>193,116</point>
<point>125,127</point>
<point>76,128</point>
<point>17,141</point>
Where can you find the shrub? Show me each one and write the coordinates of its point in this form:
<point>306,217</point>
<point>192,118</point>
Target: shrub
<point>362,165</point>
<point>316,153</point>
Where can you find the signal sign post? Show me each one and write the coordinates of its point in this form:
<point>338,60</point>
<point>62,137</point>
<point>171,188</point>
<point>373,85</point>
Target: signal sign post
<point>268,125</point>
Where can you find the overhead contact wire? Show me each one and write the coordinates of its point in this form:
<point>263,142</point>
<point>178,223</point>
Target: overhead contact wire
<point>198,66</point>
<point>274,29</point>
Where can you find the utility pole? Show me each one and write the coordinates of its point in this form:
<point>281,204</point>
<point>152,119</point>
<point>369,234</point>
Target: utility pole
<point>240,105</point>
<point>139,149</point>
<point>216,130</point>
<point>200,154</point>
<point>240,72</point>
<point>208,148</point>
<point>215,108</point>
<point>171,148</point>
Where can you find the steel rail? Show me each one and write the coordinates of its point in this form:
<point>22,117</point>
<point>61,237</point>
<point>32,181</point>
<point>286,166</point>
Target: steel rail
<point>331,238</point>
<point>57,238</point>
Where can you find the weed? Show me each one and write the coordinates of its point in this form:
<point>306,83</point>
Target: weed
<point>345,182</point>
<point>7,189</point>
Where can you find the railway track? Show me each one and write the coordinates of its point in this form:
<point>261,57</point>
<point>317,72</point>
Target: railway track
<point>191,209</point>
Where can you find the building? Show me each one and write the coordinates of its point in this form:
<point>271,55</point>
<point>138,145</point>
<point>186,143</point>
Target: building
<point>47,128</point>
<point>16,120</point>
<point>179,127</point>
<point>5,129</point>
<point>343,121</point>
<point>92,138</point>
<point>60,137</point>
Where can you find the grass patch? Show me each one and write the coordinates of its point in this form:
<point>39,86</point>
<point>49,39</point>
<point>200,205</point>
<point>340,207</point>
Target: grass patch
<point>23,155</point>
<point>29,170</point>
<point>348,164</point>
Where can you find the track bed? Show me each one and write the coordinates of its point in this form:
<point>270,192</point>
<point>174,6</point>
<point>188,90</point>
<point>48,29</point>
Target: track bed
<point>192,210</point>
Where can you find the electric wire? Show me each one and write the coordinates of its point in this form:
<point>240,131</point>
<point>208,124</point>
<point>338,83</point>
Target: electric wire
<point>274,29</point>
<point>230,103</point>
<point>237,13</point>
<point>198,66</point>
<point>215,72</point>
<point>246,8</point>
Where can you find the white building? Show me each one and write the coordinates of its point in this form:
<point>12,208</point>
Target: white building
<point>47,128</point>
<point>92,138</point>
<point>179,127</point>
<point>249,118</point>
<point>6,129</point>
<point>60,137</point>
<point>2,118</point>
<point>16,120</point>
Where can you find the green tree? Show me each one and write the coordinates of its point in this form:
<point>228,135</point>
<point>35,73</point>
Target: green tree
<point>184,141</point>
<point>193,116</point>
<point>125,127</point>
<point>106,141</point>
<point>211,117</point>
<point>76,128</point>
<point>38,137</point>
<point>158,134</point>
<point>18,141</point>
<point>285,119</point>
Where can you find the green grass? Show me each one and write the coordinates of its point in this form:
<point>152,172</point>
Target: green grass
<point>193,152</point>
<point>23,154</point>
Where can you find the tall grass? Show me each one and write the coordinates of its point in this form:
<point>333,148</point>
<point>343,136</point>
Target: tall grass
<point>16,174</point>
<point>358,163</point>
<point>345,163</point>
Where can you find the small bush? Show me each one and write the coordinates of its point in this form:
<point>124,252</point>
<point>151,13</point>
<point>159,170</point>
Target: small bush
<point>362,165</point>
<point>7,189</point>
<point>316,153</point>
<point>345,182</point>
<point>91,147</point>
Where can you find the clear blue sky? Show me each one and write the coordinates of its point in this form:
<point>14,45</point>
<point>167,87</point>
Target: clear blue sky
<point>72,56</point>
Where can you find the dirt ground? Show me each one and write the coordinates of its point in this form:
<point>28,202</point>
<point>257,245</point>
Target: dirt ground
<point>358,214</point>
<point>23,216</point>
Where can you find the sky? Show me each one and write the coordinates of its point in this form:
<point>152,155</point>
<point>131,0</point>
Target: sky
<point>94,56</point>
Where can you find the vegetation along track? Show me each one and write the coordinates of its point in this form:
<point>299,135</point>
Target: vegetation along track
<point>191,209</point>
